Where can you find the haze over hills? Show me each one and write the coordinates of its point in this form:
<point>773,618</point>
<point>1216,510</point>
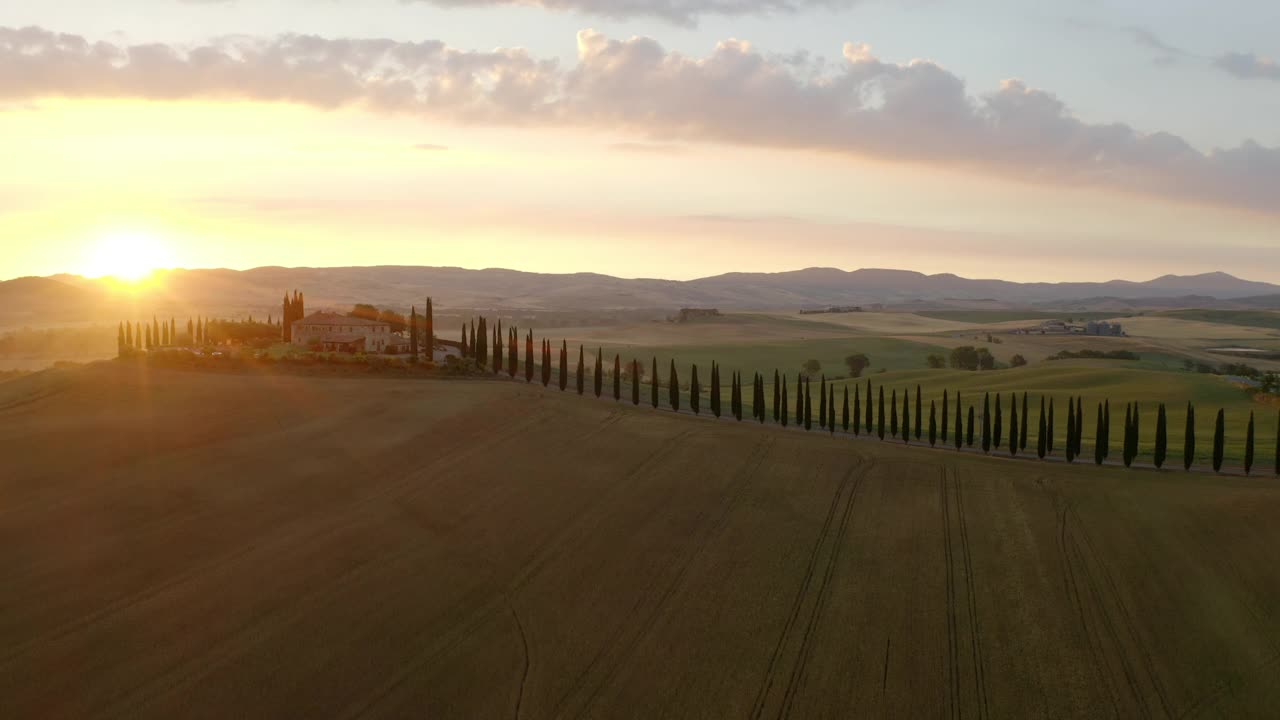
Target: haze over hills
<point>69,298</point>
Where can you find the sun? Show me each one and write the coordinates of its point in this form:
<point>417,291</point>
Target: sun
<point>128,256</point>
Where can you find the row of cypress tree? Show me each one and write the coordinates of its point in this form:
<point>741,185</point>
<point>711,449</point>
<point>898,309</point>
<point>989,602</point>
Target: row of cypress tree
<point>142,335</point>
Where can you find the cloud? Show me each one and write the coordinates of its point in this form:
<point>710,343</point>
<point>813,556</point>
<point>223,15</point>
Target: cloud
<point>1248,66</point>
<point>1166,54</point>
<point>681,12</point>
<point>916,112</point>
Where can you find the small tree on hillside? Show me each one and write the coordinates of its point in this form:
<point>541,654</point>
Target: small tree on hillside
<point>1013,426</point>
<point>1248,446</point>
<point>893,414</point>
<point>933,423</point>
<point>1162,436</point>
<point>695,391</point>
<point>970,429</point>
<point>811,366</point>
<point>844,410</point>
<point>857,410</point>
<point>598,378</point>
<point>856,363</point>
<point>986,423</point>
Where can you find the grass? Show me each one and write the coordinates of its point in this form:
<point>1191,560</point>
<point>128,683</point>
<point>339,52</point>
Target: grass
<point>486,549</point>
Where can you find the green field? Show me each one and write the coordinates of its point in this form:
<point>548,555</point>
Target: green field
<point>986,317</point>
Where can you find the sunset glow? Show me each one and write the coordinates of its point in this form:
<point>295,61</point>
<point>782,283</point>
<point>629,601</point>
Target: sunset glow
<point>128,256</point>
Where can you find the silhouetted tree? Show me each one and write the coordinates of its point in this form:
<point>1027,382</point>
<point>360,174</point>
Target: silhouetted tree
<point>998,429</point>
<point>715,389</point>
<point>1219,439</point>
<point>1026,420</point>
<point>945,415</point>
<point>546,363</point>
<point>1070,448</point>
<point>1189,439</point>
<point>1049,434</point>
<point>1126,450</point>
<point>919,412</point>
<point>800,399</point>
<point>149,343</point>
<point>844,410</point>
<point>822,403</point>
<point>735,397</point>
<point>759,398</point>
<point>673,388</point>
<point>497,348</point>
<point>857,411</point>
<point>598,378</point>
<point>120,340</point>
<point>617,377</point>
<point>1136,450</point>
<point>654,384</point>
<point>1013,425</point>
<point>969,430</point>
<point>635,381</point>
<point>128,335</point>
<point>1248,446</point>
<point>464,346</point>
<point>986,423</point>
<point>959,423</point>
<point>906,416</point>
<point>831,409</point>
<point>580,376</point>
<point>783,405</point>
<point>528,356</point>
<point>695,391</point>
<point>513,352</point>
<point>413,334</point>
<point>429,339</point>
<point>808,406</point>
<point>564,364</point>
<point>1278,445</point>
<point>1162,436</point>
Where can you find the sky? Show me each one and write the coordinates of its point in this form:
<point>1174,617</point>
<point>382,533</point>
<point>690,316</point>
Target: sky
<point>1031,141</point>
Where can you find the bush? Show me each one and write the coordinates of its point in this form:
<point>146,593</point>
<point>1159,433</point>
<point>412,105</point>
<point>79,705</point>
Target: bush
<point>936,361</point>
<point>1095,355</point>
<point>1017,361</point>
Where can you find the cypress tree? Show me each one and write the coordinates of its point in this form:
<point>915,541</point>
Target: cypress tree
<point>528,356</point>
<point>1128,435</point>
<point>715,389</point>
<point>413,334</point>
<point>857,410</point>
<point>654,384</point>
<point>999,422</point>
<point>128,334</point>
<point>673,388</point>
<point>945,414</point>
<point>1042,439</point>
<point>564,364</point>
<point>844,410</point>
<point>497,348</point>
<point>808,406</point>
<point>1099,450</point>
<point>799,399</point>
<point>759,398</point>
<point>919,413</point>
<point>580,376</point>
<point>733,395</point>
<point>869,407</point>
<point>933,423</point>
<point>481,343</point>
<point>777,396</point>
<point>783,405</point>
<point>1070,449</point>
<point>635,381</point>
<point>1106,428</point>
<point>598,378</point>
<point>1189,439</point>
<point>429,338</point>
<point>120,340</point>
<point>1278,445</point>
<point>1219,439</point>
<point>617,378</point>
<point>986,423</point>
<point>191,331</point>
<point>149,345</point>
<point>959,429</point>
<point>546,363</point>
<point>906,416</point>
<point>831,409</point>
<point>1162,437</point>
<point>1048,443</point>
<point>513,354</point>
<point>1248,446</point>
<point>695,391</point>
<point>462,344</point>
<point>1026,420</point>
<point>893,414</point>
<point>1013,426</point>
<point>969,434</point>
<point>822,403</point>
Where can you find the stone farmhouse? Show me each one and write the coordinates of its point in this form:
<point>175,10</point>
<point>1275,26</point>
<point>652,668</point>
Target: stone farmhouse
<point>341,333</point>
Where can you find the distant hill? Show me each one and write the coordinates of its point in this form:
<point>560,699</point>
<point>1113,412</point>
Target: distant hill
<point>231,292</point>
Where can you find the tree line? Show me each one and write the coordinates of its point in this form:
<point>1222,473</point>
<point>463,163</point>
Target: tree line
<point>998,423</point>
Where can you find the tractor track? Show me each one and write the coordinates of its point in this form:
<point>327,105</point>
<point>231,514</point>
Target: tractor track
<point>975,625</point>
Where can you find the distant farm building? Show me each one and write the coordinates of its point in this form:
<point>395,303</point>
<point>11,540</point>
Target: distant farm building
<point>1063,327</point>
<point>834,309</point>
<point>1103,328</point>
<point>341,333</point>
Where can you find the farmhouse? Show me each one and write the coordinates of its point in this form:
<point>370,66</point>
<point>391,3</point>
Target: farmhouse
<point>345,334</point>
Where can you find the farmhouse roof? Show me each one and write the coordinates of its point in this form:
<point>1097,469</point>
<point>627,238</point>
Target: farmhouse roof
<point>331,318</point>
